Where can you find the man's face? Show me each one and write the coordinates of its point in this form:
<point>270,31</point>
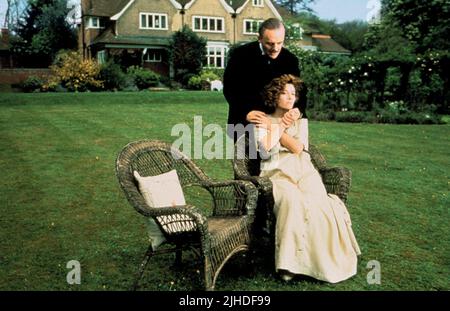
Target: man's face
<point>272,41</point>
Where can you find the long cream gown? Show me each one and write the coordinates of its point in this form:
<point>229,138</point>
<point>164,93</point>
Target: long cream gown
<point>313,234</point>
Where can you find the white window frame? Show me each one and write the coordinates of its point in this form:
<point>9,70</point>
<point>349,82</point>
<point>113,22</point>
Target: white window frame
<point>157,56</point>
<point>208,20</point>
<point>90,23</point>
<point>258,3</point>
<point>153,16</point>
<point>215,52</point>
<point>258,23</point>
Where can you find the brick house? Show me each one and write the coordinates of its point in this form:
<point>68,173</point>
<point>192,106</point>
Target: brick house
<point>139,31</point>
<point>6,58</point>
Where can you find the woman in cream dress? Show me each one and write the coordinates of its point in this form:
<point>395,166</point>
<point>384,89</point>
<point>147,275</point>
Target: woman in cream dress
<point>313,235</point>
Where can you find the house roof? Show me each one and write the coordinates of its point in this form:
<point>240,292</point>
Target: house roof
<point>103,7</point>
<point>326,44</point>
<point>108,38</point>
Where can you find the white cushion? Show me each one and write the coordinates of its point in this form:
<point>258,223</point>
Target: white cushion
<point>160,191</point>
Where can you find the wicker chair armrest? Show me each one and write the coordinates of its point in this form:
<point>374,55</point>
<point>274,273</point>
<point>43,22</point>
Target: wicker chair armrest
<point>337,181</point>
<point>232,197</point>
<point>264,185</point>
<point>174,220</point>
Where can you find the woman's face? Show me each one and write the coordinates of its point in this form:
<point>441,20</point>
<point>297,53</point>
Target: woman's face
<point>287,97</point>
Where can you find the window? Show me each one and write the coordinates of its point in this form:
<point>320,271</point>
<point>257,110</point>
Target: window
<point>153,21</point>
<point>95,23</point>
<point>153,56</point>
<point>251,26</point>
<point>215,56</point>
<point>208,24</point>
<point>258,3</point>
<point>101,57</point>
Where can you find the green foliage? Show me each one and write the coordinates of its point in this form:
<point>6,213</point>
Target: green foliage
<point>143,78</point>
<point>217,71</point>
<point>187,52</point>
<point>295,6</point>
<point>423,79</point>
<point>112,76</point>
<point>202,81</point>
<point>42,32</point>
<point>429,32</point>
<point>386,42</point>
<point>74,73</point>
<point>32,84</point>
<point>349,34</point>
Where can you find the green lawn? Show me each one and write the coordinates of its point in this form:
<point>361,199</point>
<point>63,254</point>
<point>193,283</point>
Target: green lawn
<point>60,200</point>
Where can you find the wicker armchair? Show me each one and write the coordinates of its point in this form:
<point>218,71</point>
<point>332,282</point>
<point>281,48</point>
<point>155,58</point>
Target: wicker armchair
<point>337,180</point>
<point>215,238</point>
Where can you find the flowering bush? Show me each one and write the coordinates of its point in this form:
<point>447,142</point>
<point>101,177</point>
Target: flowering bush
<point>74,73</point>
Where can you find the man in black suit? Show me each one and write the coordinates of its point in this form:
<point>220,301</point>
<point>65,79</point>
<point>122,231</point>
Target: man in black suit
<point>250,68</point>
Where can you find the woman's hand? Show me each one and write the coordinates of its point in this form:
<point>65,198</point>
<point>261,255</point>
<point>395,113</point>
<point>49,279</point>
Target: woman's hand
<point>290,117</point>
<point>259,118</point>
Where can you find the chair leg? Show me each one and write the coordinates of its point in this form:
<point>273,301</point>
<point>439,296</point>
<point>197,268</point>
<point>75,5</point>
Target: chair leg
<point>142,267</point>
<point>209,275</point>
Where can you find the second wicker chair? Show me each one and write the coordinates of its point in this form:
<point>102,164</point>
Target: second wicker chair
<point>337,180</point>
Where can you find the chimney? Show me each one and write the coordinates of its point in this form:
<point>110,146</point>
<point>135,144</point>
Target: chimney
<point>5,36</point>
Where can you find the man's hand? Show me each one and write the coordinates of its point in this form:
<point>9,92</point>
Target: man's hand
<point>259,118</point>
<point>290,117</point>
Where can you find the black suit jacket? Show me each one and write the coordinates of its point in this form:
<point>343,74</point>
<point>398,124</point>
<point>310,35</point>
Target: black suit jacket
<point>246,74</point>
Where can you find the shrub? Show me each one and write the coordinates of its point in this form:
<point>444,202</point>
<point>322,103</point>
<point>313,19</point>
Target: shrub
<point>112,76</point>
<point>321,115</point>
<point>187,51</point>
<point>32,84</point>
<point>202,81</point>
<point>143,78</point>
<point>74,73</point>
<point>217,71</point>
<point>387,116</point>
<point>356,117</point>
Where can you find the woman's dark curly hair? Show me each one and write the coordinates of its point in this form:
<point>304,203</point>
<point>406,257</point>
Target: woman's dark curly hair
<point>272,91</point>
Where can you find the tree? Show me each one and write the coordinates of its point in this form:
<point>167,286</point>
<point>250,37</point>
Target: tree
<point>413,36</point>
<point>12,14</point>
<point>42,32</point>
<point>425,23</point>
<point>349,34</point>
<point>295,6</point>
<point>187,53</point>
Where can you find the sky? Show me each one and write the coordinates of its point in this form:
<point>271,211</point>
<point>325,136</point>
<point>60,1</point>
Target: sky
<point>2,12</point>
<point>346,10</point>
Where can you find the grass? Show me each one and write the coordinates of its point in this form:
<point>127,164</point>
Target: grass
<point>60,200</point>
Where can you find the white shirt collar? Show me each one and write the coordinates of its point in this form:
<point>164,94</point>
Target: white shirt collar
<point>262,49</point>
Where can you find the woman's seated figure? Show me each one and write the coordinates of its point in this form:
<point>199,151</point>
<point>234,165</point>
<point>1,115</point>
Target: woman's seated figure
<point>313,235</point>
